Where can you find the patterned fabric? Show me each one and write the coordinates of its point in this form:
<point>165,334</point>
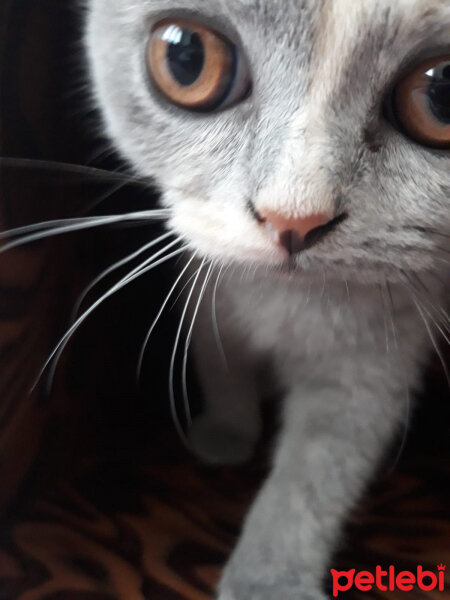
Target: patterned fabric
<point>163,529</point>
<point>113,509</point>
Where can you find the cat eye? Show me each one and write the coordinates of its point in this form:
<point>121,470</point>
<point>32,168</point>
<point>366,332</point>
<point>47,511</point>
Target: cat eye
<point>421,103</point>
<point>195,67</point>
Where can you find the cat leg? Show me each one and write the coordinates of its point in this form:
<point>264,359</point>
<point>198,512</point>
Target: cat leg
<point>332,440</point>
<point>228,429</point>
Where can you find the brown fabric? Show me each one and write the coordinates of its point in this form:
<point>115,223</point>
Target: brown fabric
<point>157,526</point>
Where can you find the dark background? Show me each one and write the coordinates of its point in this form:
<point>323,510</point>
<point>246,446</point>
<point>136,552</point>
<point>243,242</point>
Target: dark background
<point>46,115</point>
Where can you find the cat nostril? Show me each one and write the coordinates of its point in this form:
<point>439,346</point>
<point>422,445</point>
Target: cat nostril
<point>298,234</point>
<point>291,242</point>
<point>295,234</point>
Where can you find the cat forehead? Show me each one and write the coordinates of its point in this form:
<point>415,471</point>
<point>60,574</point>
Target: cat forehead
<point>323,24</point>
<point>282,11</point>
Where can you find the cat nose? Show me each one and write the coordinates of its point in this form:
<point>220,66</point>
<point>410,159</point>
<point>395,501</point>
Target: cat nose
<point>295,234</point>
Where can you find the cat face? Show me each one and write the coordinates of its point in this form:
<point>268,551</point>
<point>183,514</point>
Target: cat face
<point>289,129</point>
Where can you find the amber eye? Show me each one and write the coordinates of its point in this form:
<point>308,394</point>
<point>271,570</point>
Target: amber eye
<point>195,67</point>
<point>422,103</point>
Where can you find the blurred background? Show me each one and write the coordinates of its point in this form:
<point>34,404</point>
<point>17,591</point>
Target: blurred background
<point>99,500</point>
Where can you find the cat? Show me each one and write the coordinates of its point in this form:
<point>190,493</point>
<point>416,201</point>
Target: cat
<point>302,150</point>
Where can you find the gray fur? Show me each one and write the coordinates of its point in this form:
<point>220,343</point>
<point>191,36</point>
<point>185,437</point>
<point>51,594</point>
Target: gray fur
<point>343,329</point>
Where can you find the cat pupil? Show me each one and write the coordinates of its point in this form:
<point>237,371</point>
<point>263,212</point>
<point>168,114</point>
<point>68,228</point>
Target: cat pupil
<point>186,57</point>
<point>439,93</point>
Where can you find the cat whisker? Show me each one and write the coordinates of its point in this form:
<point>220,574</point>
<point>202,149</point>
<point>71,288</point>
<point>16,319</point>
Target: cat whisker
<point>443,315</point>
<point>55,223</point>
<point>96,173</point>
<point>432,338</point>
<point>386,328</point>
<point>424,293</point>
<point>443,260</point>
<point>157,318</point>
<point>49,229</point>
<point>178,425</point>
<point>131,216</point>
<point>444,282</point>
<point>96,203</point>
<point>443,250</point>
<point>347,287</point>
<point>436,324</point>
<point>133,272</point>
<point>215,322</point>
<point>113,268</point>
<point>391,313</point>
<point>180,293</point>
<point>62,167</point>
<point>144,268</point>
<point>405,429</point>
<point>188,341</point>
<point>324,286</point>
<point>254,270</point>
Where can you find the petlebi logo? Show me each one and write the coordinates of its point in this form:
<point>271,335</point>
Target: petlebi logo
<point>390,580</point>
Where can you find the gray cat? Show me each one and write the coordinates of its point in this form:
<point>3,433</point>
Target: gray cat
<point>302,151</point>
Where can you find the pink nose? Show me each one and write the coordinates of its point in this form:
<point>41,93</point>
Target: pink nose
<point>297,233</point>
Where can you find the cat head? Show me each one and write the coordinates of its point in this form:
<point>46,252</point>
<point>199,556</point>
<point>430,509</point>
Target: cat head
<point>314,133</point>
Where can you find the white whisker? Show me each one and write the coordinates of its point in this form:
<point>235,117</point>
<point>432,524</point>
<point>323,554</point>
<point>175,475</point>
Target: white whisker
<point>134,271</point>
<point>180,293</point>
<point>62,226</point>
<point>113,268</point>
<point>406,427</point>
<point>392,314</point>
<point>172,362</point>
<point>436,324</point>
<point>188,341</point>
<point>443,260</point>
<point>106,196</point>
<point>324,286</point>
<point>433,339</point>
<point>406,385</point>
<point>135,274</point>
<point>97,173</point>
<point>308,298</point>
<point>157,318</point>
<point>386,328</point>
<point>424,294</point>
<point>347,287</point>
<point>215,322</point>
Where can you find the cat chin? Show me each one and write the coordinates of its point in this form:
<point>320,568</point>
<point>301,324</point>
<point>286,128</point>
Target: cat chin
<point>318,273</point>
<point>273,264</point>
<point>288,275</point>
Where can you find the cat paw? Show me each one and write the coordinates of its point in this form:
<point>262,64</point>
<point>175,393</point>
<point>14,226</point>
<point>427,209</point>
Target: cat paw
<point>216,444</point>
